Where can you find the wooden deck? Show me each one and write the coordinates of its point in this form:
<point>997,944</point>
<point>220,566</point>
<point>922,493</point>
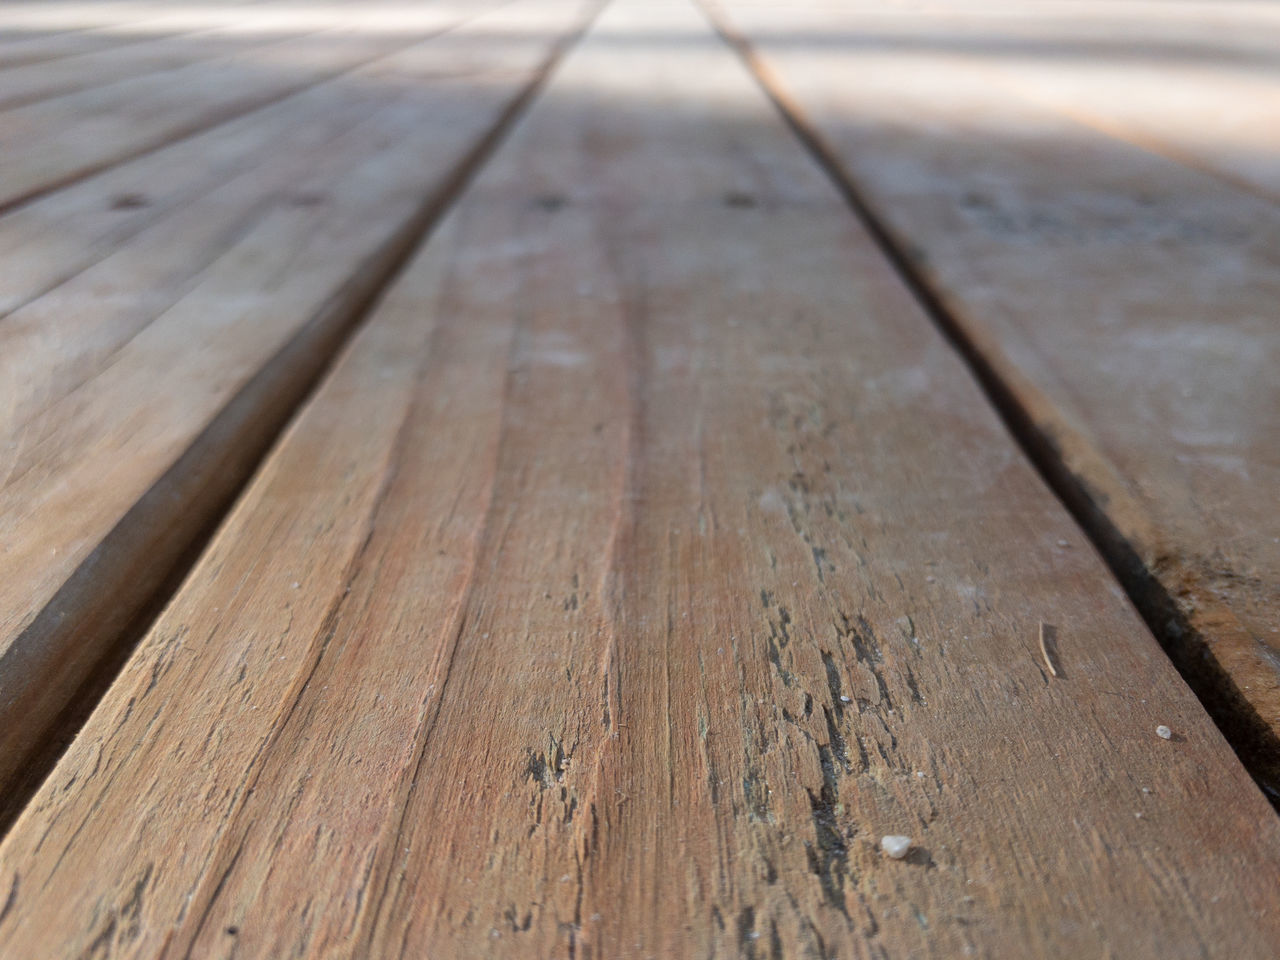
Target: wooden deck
<point>560,478</point>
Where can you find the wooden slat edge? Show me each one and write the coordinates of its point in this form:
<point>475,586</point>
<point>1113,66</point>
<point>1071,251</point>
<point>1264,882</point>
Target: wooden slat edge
<point>50,671</point>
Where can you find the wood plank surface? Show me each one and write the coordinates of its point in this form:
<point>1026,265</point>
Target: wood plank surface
<point>1125,301</point>
<point>53,142</point>
<point>1198,82</point>
<point>138,396</point>
<point>35,32</point>
<point>51,239</point>
<point>31,83</point>
<point>647,557</point>
<point>47,349</point>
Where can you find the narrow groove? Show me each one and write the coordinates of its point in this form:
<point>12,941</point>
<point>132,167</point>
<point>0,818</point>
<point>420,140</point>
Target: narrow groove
<point>1248,734</point>
<point>81,639</point>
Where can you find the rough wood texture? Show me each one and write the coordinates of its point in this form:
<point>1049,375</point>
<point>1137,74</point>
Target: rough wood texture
<point>130,418</point>
<point>647,557</point>
<point>1125,300</point>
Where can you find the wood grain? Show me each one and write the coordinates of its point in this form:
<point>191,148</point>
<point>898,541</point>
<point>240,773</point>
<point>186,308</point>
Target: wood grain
<point>647,557</point>
<point>131,420</point>
<point>1121,298</point>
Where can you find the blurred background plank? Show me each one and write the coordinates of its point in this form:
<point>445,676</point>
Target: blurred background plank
<point>50,143</point>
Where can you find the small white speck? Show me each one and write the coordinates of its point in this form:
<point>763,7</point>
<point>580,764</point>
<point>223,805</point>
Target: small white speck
<point>920,774</point>
<point>295,585</point>
<point>1164,733</point>
<point>1146,789</point>
<point>895,846</point>
<point>844,699</point>
<point>1063,543</point>
<point>930,579</point>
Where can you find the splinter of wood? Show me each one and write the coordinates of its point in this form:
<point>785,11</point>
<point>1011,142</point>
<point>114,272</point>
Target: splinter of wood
<point>1044,649</point>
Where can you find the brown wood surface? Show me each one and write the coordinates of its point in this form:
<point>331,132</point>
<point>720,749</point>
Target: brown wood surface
<point>647,557</point>
<point>70,28</point>
<point>53,142</point>
<point>1127,302</point>
<point>50,240</point>
<point>30,83</point>
<point>24,43</point>
<point>1198,82</point>
<point>139,394</point>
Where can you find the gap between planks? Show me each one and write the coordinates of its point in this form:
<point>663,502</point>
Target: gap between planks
<point>237,441</point>
<point>1251,737</point>
<point>618,510</point>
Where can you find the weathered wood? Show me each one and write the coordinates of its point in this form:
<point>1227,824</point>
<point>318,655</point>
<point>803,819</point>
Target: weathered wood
<point>139,420</point>
<point>51,143</point>
<point>359,162</point>
<point>1193,81</point>
<point>34,82</point>
<point>50,240</point>
<point>24,19</point>
<point>644,561</point>
<point>35,32</point>
<point>1123,300</point>
<point>25,49</point>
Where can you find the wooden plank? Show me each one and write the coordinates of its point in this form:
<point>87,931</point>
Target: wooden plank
<point>21,49</point>
<point>38,81</point>
<point>18,19</point>
<point>1197,82</point>
<point>47,350</point>
<point>138,425</point>
<point>1122,300</point>
<point>35,32</point>
<point>646,559</point>
<point>48,144</point>
<point>48,241</point>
